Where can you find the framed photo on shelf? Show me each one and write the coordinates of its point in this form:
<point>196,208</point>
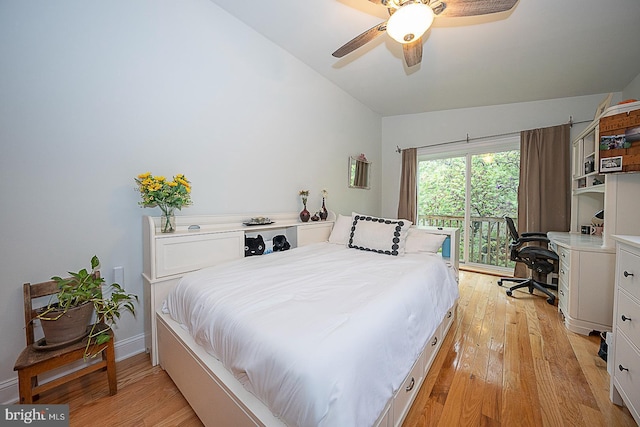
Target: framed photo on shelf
<point>611,164</point>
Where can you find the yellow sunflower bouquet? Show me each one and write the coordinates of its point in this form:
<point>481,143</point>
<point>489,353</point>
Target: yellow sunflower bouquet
<point>167,195</point>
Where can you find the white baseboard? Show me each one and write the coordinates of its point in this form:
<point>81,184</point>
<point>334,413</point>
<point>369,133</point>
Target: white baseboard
<point>124,349</point>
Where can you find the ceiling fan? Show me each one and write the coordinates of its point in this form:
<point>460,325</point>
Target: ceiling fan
<point>410,19</point>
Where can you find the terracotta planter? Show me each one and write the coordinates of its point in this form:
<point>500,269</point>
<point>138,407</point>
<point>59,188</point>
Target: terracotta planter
<point>69,327</point>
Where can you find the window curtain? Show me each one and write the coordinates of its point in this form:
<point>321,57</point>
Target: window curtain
<point>544,194</point>
<point>408,201</point>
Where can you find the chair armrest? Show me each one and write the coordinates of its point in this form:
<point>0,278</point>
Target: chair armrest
<point>525,239</point>
<point>534,234</point>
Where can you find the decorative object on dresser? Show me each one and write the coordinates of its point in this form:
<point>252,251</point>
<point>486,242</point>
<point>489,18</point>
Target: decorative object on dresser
<point>323,210</point>
<point>624,351</point>
<point>280,243</point>
<point>304,214</point>
<point>253,245</point>
<point>259,220</point>
<point>167,195</point>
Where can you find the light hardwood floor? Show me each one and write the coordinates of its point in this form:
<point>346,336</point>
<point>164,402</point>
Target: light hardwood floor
<point>505,362</point>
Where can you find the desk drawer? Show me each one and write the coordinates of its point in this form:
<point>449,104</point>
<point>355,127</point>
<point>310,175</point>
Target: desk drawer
<point>563,298</point>
<point>564,275</point>
<point>629,272</point>
<point>564,255</point>
<point>628,318</point>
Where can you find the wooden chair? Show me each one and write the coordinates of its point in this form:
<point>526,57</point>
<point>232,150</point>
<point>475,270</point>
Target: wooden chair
<point>34,361</point>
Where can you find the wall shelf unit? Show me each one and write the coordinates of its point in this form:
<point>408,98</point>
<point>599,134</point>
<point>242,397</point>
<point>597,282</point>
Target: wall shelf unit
<point>592,191</point>
<point>587,263</point>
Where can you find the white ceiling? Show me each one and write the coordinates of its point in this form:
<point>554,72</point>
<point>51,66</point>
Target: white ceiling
<point>542,49</point>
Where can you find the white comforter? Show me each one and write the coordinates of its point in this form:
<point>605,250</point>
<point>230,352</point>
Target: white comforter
<point>322,334</point>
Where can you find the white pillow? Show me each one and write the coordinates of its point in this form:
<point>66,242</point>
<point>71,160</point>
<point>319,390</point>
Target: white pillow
<point>341,230</point>
<point>381,235</point>
<point>423,241</point>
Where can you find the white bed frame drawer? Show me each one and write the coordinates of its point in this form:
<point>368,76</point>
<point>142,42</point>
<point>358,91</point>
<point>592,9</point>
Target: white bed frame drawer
<point>407,392</point>
<point>181,254</point>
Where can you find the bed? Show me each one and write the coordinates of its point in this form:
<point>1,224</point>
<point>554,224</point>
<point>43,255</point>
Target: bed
<point>324,334</point>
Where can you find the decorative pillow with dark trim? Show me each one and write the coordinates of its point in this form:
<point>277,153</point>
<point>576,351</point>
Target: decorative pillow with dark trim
<point>381,235</point>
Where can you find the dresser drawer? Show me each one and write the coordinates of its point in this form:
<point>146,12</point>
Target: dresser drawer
<point>629,272</point>
<point>628,318</point>
<point>627,378</point>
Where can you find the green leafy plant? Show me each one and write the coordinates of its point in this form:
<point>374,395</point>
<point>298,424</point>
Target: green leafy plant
<point>86,287</point>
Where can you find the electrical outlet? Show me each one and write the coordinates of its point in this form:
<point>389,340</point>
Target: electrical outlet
<point>118,275</point>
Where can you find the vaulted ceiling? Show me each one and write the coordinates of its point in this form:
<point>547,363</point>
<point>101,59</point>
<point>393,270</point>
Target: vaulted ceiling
<point>541,49</point>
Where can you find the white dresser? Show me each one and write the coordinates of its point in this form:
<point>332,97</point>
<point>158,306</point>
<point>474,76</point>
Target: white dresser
<point>624,350</point>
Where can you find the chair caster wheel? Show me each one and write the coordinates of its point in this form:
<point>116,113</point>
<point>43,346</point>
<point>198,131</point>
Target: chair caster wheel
<point>509,293</point>
<point>551,300</point>
<point>499,282</point>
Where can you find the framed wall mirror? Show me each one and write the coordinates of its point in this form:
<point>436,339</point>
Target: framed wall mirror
<point>359,172</point>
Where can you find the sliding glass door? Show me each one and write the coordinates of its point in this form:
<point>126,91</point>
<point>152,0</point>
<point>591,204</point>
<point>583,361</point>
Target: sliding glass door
<point>472,191</point>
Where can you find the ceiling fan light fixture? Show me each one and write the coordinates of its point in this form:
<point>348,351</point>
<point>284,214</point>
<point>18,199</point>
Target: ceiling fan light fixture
<point>410,22</point>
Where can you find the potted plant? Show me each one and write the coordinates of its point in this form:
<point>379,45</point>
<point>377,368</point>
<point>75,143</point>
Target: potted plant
<point>67,319</point>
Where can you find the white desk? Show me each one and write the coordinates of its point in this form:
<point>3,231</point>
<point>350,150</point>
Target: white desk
<point>585,281</point>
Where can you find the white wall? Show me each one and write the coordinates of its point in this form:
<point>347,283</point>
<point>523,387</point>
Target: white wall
<point>438,127</point>
<point>94,93</point>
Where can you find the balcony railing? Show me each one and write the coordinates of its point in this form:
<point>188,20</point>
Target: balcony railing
<point>489,243</point>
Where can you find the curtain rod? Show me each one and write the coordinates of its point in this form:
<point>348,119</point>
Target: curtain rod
<point>467,139</point>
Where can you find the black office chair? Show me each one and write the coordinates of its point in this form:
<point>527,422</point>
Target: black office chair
<point>537,259</point>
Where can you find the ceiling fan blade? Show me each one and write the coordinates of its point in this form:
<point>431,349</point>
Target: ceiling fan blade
<point>459,8</point>
<point>412,52</point>
<point>361,40</point>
